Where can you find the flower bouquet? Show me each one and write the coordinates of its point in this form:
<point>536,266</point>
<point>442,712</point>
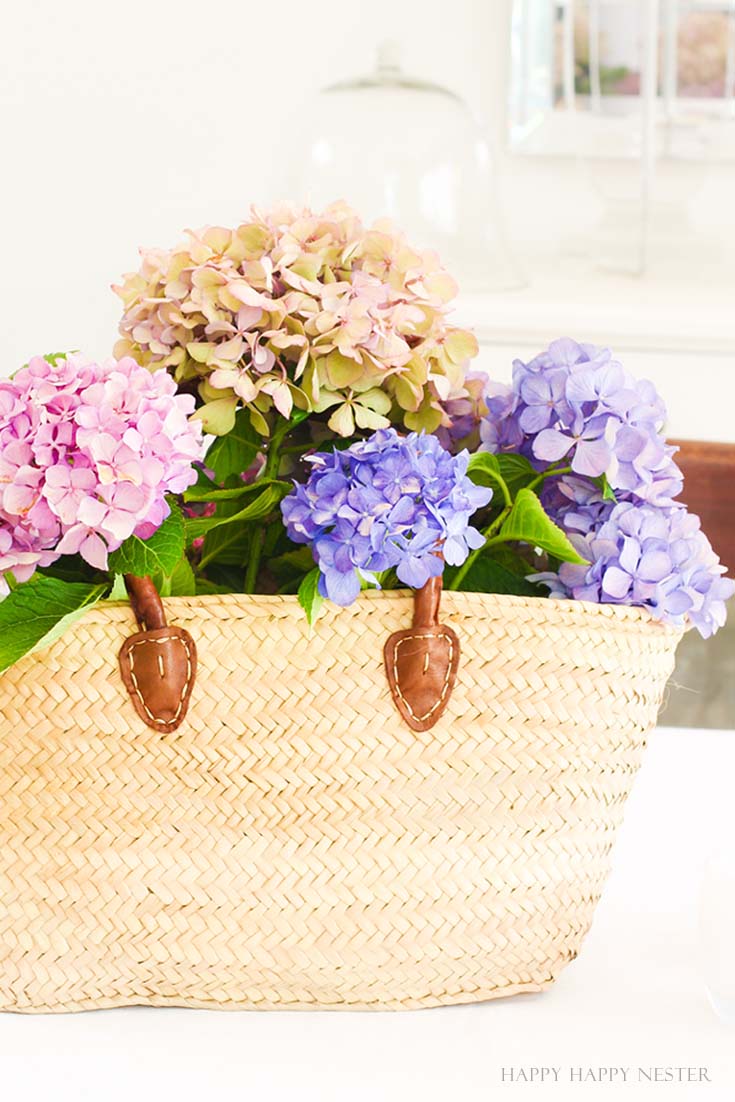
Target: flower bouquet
<point>348,444</point>
<point>288,455</point>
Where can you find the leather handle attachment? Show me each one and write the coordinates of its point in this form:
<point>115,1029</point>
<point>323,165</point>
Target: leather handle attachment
<point>421,662</point>
<point>158,664</point>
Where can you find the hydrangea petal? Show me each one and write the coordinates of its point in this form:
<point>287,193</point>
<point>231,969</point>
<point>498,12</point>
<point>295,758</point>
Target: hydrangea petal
<point>357,305</point>
<point>387,501</point>
<point>616,582</point>
<point>109,441</point>
<point>551,445</point>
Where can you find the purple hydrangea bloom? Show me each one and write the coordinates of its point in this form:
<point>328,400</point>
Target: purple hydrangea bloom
<point>87,454</point>
<point>641,554</point>
<point>463,416</point>
<point>576,503</point>
<point>500,431</point>
<point>575,405</point>
<point>544,397</point>
<point>386,502</point>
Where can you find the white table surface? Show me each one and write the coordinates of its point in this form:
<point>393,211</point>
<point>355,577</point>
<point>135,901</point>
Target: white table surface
<point>633,999</point>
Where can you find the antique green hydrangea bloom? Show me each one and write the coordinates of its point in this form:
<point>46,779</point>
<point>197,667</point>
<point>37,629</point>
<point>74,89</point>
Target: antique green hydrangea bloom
<point>298,309</point>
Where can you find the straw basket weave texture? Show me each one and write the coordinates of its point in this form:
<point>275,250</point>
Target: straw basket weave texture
<point>294,844</point>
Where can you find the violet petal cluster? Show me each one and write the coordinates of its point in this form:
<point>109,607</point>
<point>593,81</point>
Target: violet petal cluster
<point>386,502</point>
<point>87,454</point>
<point>574,405</point>
<point>642,554</point>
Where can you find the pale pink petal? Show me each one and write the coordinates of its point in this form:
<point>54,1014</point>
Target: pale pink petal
<point>94,551</point>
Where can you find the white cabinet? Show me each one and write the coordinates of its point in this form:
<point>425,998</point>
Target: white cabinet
<point>681,336</point>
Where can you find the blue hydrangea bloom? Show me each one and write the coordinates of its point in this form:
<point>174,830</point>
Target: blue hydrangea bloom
<point>390,501</point>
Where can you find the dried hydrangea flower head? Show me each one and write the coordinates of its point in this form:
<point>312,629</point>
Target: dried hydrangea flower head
<point>87,454</point>
<point>300,308</point>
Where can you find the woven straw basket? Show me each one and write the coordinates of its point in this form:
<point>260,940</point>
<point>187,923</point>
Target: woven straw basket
<point>294,843</point>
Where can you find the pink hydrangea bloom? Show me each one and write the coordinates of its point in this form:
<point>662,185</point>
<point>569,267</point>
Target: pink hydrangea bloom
<point>87,454</point>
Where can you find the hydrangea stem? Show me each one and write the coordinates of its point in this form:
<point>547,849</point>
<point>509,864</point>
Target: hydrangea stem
<point>491,539</point>
<point>270,471</point>
<point>552,472</point>
<point>251,570</point>
<point>488,533</point>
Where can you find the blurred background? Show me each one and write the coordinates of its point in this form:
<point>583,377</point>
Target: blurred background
<point>574,163</point>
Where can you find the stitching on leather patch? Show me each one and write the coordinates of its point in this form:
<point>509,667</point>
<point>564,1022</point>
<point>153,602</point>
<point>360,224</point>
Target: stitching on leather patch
<point>146,643</point>
<point>447,676</point>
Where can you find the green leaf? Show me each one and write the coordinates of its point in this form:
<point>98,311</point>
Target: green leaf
<point>118,591</point>
<point>297,416</point>
<point>276,542</point>
<point>513,562</point>
<point>258,422</point>
<point>53,357</point>
<point>528,523</point>
<point>484,461</point>
<point>72,568</point>
<point>608,493</point>
<point>484,470</point>
<point>158,555</point>
<point>487,575</point>
<point>205,587</point>
<point>231,493</point>
<point>38,612</point>
<point>181,581</point>
<point>292,564</point>
<point>506,471</point>
<point>221,578</point>
<point>263,504</point>
<point>202,484</point>
<point>230,541</point>
<point>230,546</point>
<point>310,598</point>
<point>235,452</point>
<point>516,470</point>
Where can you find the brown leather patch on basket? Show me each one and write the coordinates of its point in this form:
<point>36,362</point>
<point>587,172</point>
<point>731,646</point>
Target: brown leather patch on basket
<point>421,666</point>
<point>158,668</point>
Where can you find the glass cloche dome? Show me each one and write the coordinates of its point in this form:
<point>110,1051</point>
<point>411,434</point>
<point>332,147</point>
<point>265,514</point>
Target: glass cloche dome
<point>409,150</point>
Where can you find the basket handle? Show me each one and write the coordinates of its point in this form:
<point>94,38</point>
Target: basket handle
<point>421,662</point>
<point>158,664</point>
<point>145,601</point>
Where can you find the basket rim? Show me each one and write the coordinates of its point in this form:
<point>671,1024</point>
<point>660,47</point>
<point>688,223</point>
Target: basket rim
<point>454,605</point>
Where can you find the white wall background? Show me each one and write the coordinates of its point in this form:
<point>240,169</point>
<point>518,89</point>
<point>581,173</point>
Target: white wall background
<point>122,124</point>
